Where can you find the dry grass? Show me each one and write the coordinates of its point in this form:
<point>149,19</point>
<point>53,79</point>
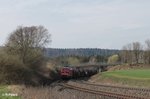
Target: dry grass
<point>52,92</point>
<point>55,93</point>
<point>129,66</point>
<point>16,88</point>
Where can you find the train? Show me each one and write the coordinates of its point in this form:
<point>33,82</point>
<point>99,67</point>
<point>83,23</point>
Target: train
<point>79,71</point>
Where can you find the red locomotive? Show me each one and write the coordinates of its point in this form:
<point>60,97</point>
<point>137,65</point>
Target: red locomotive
<point>78,71</point>
<point>66,72</point>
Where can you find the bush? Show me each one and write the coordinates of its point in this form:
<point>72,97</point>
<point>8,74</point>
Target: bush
<point>12,69</point>
<point>113,59</point>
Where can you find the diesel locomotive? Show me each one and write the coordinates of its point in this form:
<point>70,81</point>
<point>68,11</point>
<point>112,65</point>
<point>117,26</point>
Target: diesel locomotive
<point>79,71</point>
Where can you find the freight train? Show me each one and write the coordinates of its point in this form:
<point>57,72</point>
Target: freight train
<point>80,71</point>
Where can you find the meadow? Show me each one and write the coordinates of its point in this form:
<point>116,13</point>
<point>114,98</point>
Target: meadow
<point>132,77</point>
<point>131,74</point>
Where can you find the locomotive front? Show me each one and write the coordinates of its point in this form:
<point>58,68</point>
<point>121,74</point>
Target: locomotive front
<point>66,72</point>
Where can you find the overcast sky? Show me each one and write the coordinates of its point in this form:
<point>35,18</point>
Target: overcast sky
<point>80,23</point>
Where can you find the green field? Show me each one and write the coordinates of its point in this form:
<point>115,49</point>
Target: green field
<point>6,94</point>
<point>131,74</point>
<point>130,77</point>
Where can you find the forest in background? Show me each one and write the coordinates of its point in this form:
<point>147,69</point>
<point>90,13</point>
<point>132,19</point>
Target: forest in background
<point>81,52</point>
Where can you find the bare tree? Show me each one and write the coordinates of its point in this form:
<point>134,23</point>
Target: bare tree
<point>126,54</point>
<point>147,52</point>
<point>28,42</point>
<point>123,54</point>
<point>137,50</point>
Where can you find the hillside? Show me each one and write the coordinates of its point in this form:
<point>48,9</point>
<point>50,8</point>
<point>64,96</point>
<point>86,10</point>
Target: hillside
<point>56,52</point>
<point>136,75</point>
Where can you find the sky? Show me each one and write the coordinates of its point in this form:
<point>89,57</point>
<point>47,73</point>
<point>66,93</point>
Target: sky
<point>80,23</point>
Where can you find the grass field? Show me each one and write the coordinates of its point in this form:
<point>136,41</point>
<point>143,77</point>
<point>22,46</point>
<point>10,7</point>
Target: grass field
<point>6,94</point>
<point>131,77</point>
<point>131,74</point>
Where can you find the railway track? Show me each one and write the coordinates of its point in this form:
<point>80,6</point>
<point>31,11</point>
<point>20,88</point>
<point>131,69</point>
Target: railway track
<point>119,87</point>
<point>102,93</point>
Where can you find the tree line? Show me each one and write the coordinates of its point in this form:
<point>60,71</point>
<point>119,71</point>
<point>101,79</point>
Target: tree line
<point>72,57</point>
<point>135,53</point>
<point>80,52</point>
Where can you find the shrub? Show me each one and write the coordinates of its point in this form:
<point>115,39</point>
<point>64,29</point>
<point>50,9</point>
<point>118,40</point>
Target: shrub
<point>12,69</point>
